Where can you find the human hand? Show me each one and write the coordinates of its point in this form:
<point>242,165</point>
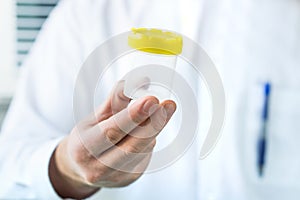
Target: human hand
<point>110,148</point>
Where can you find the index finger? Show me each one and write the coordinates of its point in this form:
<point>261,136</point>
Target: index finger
<point>109,132</point>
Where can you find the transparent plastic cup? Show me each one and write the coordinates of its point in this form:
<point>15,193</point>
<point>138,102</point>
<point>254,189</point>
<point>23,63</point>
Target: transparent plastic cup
<point>153,63</point>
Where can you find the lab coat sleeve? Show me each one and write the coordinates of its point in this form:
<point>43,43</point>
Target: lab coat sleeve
<point>41,112</point>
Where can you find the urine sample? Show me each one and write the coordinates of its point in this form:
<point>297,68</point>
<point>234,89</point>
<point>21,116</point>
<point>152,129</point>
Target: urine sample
<point>153,62</point>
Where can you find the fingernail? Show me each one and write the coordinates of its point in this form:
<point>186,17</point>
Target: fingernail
<point>150,106</point>
<point>170,109</point>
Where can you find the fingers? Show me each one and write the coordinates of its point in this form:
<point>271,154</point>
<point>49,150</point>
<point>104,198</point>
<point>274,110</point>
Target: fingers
<point>120,147</point>
<point>116,102</point>
<point>133,147</point>
<point>120,160</point>
<point>135,170</point>
<point>142,165</point>
<point>156,122</point>
<point>109,132</point>
<point>137,85</point>
<point>118,178</point>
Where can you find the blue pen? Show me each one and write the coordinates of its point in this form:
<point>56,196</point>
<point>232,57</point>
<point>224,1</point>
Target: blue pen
<point>262,140</point>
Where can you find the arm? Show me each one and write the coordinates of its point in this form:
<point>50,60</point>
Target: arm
<point>35,140</point>
<point>41,112</point>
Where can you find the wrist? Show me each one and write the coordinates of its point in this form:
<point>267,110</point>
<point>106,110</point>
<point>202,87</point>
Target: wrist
<point>64,185</point>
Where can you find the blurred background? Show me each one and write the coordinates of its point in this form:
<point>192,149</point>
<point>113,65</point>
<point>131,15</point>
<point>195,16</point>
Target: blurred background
<point>251,42</point>
<point>20,22</point>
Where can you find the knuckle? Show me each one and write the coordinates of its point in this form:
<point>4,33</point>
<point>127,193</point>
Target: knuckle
<point>138,116</point>
<point>132,149</point>
<point>116,179</point>
<point>112,135</point>
<point>94,177</point>
<point>81,155</point>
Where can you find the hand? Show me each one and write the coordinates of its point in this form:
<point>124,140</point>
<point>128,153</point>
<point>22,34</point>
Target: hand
<point>110,148</point>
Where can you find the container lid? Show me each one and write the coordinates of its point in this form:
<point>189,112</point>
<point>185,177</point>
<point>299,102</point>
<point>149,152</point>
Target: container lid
<point>155,41</point>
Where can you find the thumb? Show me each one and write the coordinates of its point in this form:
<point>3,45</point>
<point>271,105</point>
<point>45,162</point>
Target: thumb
<point>116,102</point>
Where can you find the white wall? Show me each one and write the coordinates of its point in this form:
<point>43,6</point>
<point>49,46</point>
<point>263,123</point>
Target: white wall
<point>8,71</point>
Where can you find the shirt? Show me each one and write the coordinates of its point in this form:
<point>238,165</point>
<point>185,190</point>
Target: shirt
<point>250,42</point>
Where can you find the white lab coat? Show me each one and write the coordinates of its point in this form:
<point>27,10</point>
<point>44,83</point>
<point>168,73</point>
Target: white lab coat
<point>250,41</point>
